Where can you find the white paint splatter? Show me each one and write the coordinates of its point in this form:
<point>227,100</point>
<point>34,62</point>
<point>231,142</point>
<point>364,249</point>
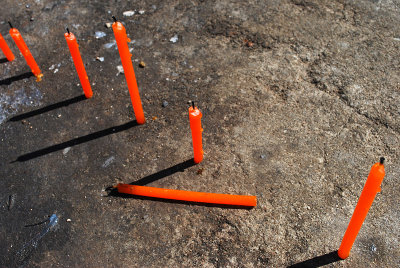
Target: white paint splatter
<point>120,69</point>
<point>174,39</point>
<point>110,45</point>
<point>66,150</point>
<point>141,12</point>
<point>108,161</point>
<point>128,13</point>
<point>10,102</point>
<point>99,34</point>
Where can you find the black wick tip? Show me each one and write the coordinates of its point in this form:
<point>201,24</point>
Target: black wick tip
<point>381,160</point>
<point>10,24</point>
<point>193,104</point>
<point>68,31</point>
<point>114,18</point>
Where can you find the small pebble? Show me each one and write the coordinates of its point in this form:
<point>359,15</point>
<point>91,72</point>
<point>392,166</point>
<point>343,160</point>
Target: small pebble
<point>59,115</point>
<point>120,69</point>
<point>263,156</point>
<point>128,13</point>
<point>165,103</point>
<point>141,12</point>
<point>31,19</point>
<point>101,59</point>
<point>142,64</point>
<point>27,6</point>
<point>108,24</point>
<point>68,220</point>
<point>373,248</point>
<point>174,39</point>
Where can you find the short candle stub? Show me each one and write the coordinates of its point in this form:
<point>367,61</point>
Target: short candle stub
<point>381,160</point>
<point>10,24</point>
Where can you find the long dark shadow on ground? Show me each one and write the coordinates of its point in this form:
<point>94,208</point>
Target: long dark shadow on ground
<point>318,261</point>
<point>165,172</point>
<point>48,108</point>
<point>3,60</point>
<point>80,140</point>
<point>15,78</point>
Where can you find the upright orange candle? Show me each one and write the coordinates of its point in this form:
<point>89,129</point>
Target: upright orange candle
<point>371,188</point>
<point>6,50</point>
<point>25,52</point>
<point>210,198</point>
<point>195,125</point>
<point>80,68</point>
<point>122,39</point>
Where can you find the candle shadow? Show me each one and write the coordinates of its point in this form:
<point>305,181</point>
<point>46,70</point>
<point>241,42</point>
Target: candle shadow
<point>112,192</point>
<point>318,261</point>
<point>15,78</point>
<point>73,142</point>
<point>3,60</point>
<point>165,172</point>
<point>48,108</point>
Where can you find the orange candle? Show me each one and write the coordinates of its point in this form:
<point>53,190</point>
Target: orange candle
<point>371,188</point>
<point>6,50</point>
<point>80,68</point>
<point>122,39</point>
<point>195,125</point>
<point>25,52</point>
<point>210,198</point>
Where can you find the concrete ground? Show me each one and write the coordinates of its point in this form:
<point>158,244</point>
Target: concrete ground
<point>299,99</point>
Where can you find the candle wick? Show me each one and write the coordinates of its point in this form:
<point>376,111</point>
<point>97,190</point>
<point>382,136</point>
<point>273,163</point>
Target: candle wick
<point>193,105</point>
<point>381,160</point>
<point>68,31</point>
<point>115,19</point>
<point>10,24</point>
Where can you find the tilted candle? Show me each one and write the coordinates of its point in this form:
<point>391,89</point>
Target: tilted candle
<point>371,188</point>
<point>16,36</point>
<point>6,50</point>
<point>211,198</point>
<point>122,39</point>
<point>195,125</point>
<point>80,68</point>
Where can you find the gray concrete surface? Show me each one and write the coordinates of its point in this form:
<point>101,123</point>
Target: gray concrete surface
<point>299,99</point>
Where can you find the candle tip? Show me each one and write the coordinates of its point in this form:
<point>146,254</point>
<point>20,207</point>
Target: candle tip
<point>193,104</point>
<point>381,160</point>
<point>10,24</point>
<point>68,31</point>
<point>114,18</point>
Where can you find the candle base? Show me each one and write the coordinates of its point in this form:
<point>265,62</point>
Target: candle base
<point>39,77</point>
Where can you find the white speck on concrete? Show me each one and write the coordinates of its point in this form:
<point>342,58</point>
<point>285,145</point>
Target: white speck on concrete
<point>101,59</point>
<point>111,44</point>
<point>396,39</point>
<point>174,39</point>
<point>56,70</point>
<point>120,69</point>
<point>66,150</point>
<point>52,67</point>
<point>99,34</point>
<point>128,13</point>
<point>108,161</point>
<point>141,12</point>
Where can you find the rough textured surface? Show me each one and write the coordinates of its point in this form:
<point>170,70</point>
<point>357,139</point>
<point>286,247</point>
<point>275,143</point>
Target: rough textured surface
<point>299,99</point>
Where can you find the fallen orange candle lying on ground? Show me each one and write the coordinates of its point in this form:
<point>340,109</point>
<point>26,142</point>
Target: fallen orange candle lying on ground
<point>80,68</point>
<point>122,39</point>
<point>371,188</point>
<point>195,125</point>
<point>25,52</point>
<point>6,50</point>
<point>210,198</point>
